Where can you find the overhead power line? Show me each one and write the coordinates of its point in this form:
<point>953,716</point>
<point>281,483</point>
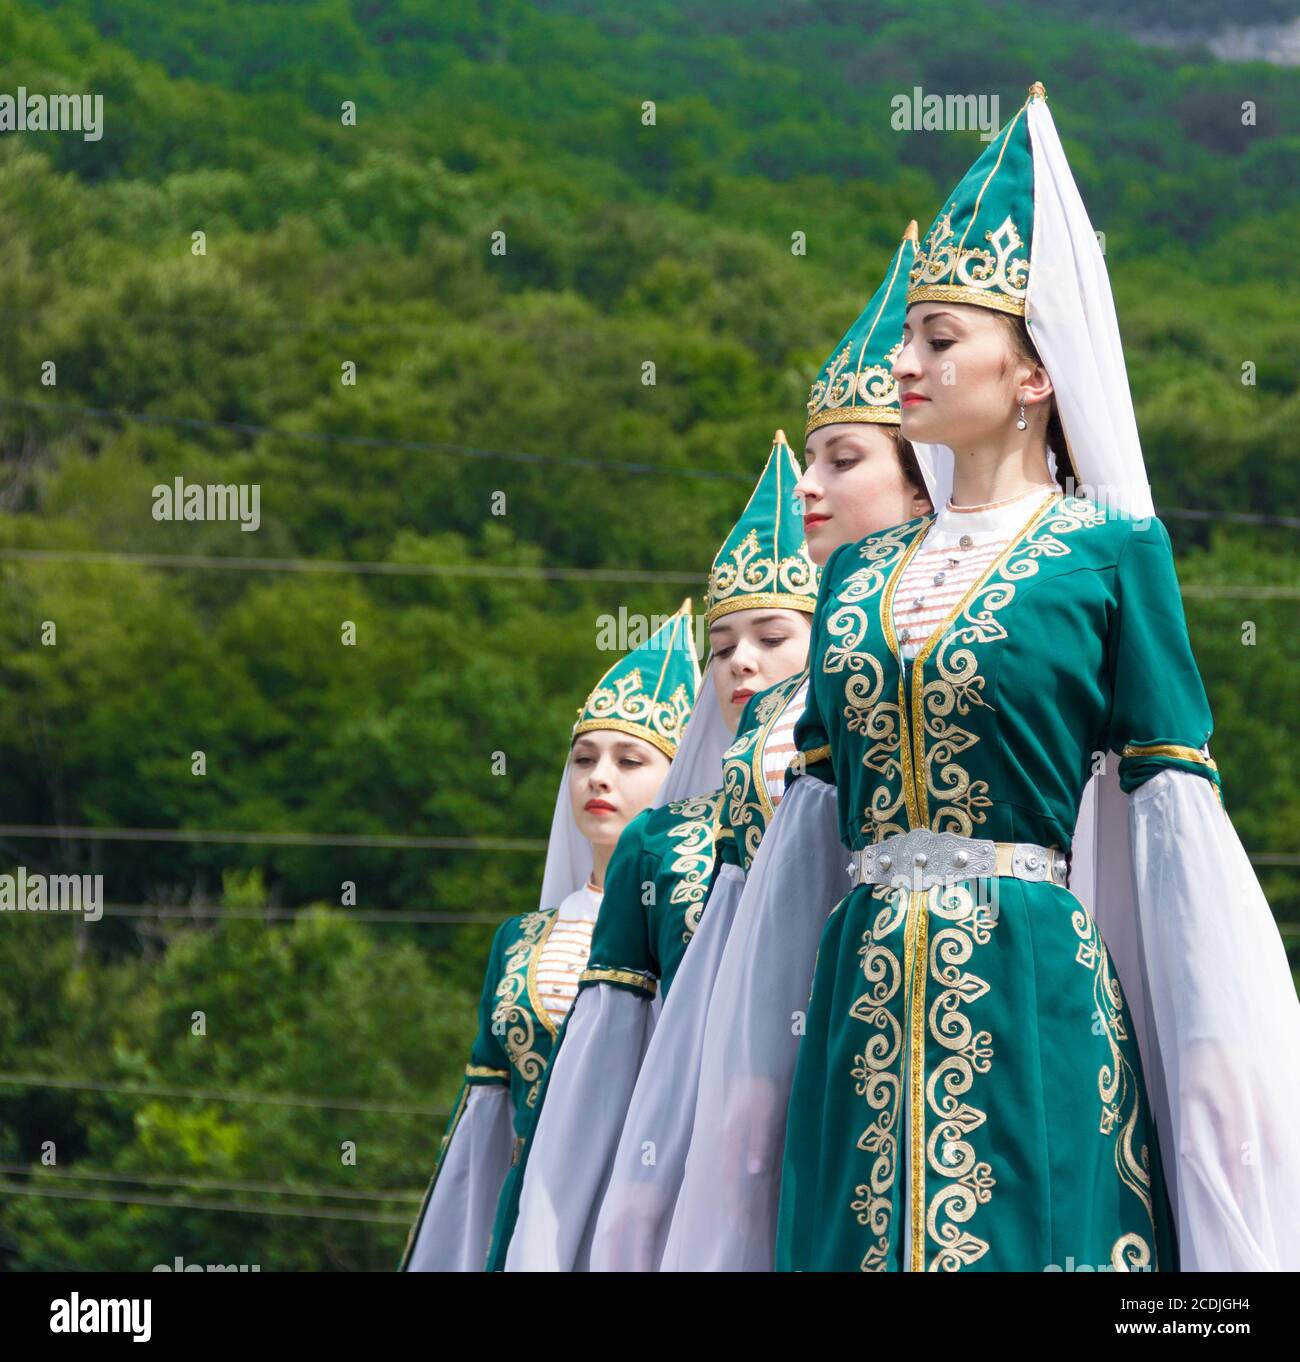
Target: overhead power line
<point>378,442</point>
<point>55,832</point>
<point>205,1184</point>
<point>220,1095</point>
<point>505,572</point>
<point>383,841</point>
<point>227,563</point>
<point>521,456</point>
<point>141,1199</point>
<point>381,917</point>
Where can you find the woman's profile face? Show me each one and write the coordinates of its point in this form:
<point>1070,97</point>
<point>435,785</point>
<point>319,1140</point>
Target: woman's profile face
<point>754,649</point>
<point>853,485</point>
<point>959,377</point>
<point>612,777</point>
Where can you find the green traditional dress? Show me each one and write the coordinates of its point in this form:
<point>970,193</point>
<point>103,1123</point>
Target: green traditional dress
<point>515,1035</point>
<point>974,1089</point>
<point>532,974</point>
<point>719,1210</point>
<point>664,870</point>
<point>969,1093</point>
<point>636,1213</point>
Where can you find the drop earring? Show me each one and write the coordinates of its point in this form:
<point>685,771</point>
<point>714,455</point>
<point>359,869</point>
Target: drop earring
<point>1022,424</point>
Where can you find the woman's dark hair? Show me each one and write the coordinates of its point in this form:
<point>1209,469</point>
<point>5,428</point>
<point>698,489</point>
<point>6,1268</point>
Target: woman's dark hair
<point>1024,349</point>
<point>910,463</point>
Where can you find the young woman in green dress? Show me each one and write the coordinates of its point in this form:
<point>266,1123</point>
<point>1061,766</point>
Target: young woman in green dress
<point>626,735</point>
<point>995,1072</point>
<point>860,476</point>
<point>761,594</point>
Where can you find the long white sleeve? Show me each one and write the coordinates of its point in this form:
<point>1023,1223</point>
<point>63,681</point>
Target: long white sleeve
<point>725,1219</point>
<point>648,1168</point>
<point>592,1076</point>
<point>453,1233</point>
<point>1224,1023</point>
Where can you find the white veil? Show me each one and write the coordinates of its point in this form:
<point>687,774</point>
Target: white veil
<point>936,469</point>
<point>568,853</point>
<point>1163,871</point>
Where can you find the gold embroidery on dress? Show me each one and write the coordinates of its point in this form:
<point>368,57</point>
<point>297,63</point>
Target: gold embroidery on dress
<point>1117,1085</point>
<point>742,810</point>
<point>904,763</point>
<point>891,639</point>
<point>768,711</point>
<point>968,1182</point>
<point>747,806</point>
<point>1130,1253</point>
<point>914,962</point>
<point>485,1071</point>
<point>647,983</point>
<point>695,854</point>
<point>1169,749</point>
<point>960,802</point>
<point>863,710</point>
<point>775,700</point>
<point>918,763</point>
<point>875,1073</point>
<point>512,1017</point>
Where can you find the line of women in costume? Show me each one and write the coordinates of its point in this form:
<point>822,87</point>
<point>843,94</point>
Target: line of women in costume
<point>952,959</point>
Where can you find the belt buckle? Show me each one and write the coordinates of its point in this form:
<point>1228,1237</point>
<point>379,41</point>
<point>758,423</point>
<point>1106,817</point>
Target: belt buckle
<point>923,859</point>
<point>1039,863</point>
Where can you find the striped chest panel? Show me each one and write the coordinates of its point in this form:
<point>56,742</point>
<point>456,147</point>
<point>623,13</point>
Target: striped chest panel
<point>779,746</point>
<point>935,579</point>
<point>562,958</point>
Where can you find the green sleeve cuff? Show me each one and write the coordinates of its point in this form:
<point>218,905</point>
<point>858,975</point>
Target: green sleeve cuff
<point>1140,761</point>
<point>480,1075</point>
<point>633,981</point>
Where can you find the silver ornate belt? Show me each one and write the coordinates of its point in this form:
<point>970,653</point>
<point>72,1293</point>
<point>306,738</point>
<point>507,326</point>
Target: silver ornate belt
<point>922,859</point>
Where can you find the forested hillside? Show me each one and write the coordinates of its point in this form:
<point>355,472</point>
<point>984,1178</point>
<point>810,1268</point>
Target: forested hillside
<point>497,476</point>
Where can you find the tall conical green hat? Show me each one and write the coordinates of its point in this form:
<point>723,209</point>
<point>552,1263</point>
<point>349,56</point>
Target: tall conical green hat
<point>650,691</point>
<point>764,560</point>
<point>977,249</point>
<point>857,382</point>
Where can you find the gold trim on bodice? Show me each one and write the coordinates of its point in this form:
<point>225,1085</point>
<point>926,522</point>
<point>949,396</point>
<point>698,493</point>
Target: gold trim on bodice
<point>912,734</point>
<point>534,997</point>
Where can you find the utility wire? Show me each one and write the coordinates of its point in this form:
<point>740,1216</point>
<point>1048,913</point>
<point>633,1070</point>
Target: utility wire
<point>377,442</point>
<point>508,572</point>
<point>218,1095</point>
<point>308,1212</point>
<point>207,1185</point>
<point>54,831</point>
<point>519,456</point>
<point>284,839</point>
<point>505,572</point>
<point>370,917</point>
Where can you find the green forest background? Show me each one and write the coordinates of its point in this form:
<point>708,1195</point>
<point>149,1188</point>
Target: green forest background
<point>328,243</point>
